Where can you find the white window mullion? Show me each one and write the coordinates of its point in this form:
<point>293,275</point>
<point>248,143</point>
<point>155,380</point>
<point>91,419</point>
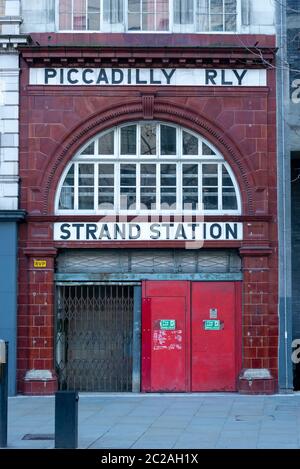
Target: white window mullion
<point>72,12</point>
<point>158,140</point>
<point>117,143</point>
<point>139,142</point>
<point>86,14</point>
<point>117,188</point>
<point>158,204</point>
<point>171,13</point>
<point>96,186</point>
<point>238,16</point>
<point>138,186</point>
<point>101,15</point>
<point>200,189</point>
<point>141,15</point>
<point>220,186</point>
<point>96,147</point>
<point>179,143</point>
<point>179,191</point>
<point>76,184</point>
<point>224,15</point>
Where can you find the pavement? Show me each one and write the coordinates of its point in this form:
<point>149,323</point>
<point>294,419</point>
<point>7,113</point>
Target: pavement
<point>163,421</point>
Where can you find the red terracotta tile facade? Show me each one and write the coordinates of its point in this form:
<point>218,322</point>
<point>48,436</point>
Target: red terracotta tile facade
<point>55,122</point>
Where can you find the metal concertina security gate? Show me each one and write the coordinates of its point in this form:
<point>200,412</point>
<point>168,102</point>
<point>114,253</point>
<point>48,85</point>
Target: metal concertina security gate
<point>94,333</point>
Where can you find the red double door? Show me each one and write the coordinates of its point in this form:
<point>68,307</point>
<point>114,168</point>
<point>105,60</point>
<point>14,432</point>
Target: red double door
<point>190,336</point>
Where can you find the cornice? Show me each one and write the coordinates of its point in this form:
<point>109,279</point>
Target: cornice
<point>151,56</point>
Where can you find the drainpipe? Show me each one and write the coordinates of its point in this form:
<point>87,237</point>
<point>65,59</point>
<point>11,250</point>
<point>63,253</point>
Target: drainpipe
<point>284,204</point>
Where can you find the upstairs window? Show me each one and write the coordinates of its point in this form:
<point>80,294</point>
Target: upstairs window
<point>148,15</point>
<point>148,168</point>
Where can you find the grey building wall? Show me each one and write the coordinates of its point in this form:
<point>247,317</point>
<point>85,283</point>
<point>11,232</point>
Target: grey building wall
<point>8,293</point>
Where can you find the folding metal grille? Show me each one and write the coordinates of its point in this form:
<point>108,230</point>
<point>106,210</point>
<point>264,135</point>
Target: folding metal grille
<point>94,334</point>
<point>148,261</point>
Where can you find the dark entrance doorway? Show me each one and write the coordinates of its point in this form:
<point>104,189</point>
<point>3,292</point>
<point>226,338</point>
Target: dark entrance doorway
<point>94,337</point>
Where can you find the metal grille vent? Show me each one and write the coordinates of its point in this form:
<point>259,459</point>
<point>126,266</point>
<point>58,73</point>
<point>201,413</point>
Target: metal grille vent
<point>148,261</point>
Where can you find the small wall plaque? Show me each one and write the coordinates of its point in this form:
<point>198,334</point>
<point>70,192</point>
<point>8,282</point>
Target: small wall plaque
<point>39,263</point>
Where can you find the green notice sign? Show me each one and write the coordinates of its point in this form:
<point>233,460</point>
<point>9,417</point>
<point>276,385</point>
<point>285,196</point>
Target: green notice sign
<point>167,324</point>
<point>212,325</point>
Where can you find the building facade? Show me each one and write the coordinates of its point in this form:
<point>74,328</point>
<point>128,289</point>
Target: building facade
<point>148,260</point>
<point>10,214</point>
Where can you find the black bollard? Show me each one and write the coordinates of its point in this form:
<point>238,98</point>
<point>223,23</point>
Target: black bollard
<point>3,392</point>
<point>66,419</point>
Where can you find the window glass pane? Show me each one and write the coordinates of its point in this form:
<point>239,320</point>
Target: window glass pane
<point>106,186</point>
<point>128,140</point>
<point>93,15</point>
<point>210,186</point>
<point>168,186</point>
<point>86,198</point>
<point>113,11</point>
<point>210,199</point>
<point>89,150</point>
<point>167,140</point>
<point>148,139</point>
<point>2,7</point>
<point>148,186</point>
<point>128,186</point>
<point>206,150</point>
<point>190,186</point>
<point>66,200</point>
<point>189,144</point>
<point>79,15</point>
<point>227,181</point>
<point>183,11</point>
<point>216,7</point>
<point>134,15</point>
<point>230,15</point>
<point>229,200</point>
<point>65,14</point>
<point>216,22</point>
<point>69,181</point>
<point>106,144</point>
<point>86,186</point>
<point>86,175</point>
<point>148,15</point>
<point>162,15</point>
<point>202,19</point>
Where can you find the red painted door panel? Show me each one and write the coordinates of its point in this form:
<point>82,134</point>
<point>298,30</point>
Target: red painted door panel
<point>190,358</point>
<point>164,364</point>
<point>213,351</point>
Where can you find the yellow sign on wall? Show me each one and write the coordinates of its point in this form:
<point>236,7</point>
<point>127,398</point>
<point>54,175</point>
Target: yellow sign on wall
<point>39,264</point>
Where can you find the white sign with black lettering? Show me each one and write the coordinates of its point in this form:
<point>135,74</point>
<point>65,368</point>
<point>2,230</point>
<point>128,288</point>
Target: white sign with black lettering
<point>147,77</point>
<point>118,231</point>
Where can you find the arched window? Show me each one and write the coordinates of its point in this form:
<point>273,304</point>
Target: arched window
<point>148,168</point>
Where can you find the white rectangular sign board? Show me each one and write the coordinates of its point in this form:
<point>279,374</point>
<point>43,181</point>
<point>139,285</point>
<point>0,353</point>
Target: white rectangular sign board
<point>156,231</point>
<point>147,77</point>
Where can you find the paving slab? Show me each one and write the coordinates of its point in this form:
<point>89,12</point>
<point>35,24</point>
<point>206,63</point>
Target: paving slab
<point>164,421</point>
